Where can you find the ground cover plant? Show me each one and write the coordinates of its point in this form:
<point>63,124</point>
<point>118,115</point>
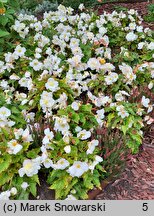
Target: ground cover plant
<point>62,79</point>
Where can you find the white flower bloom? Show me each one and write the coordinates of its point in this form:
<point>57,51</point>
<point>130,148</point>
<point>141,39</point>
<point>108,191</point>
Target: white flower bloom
<point>91,146</point>
<point>94,64</point>
<point>150,108</point>
<point>61,124</point>
<point>145,101</point>
<point>131,36</point>
<point>111,78</point>
<point>70,197</point>
<point>30,168</point>
<point>83,135</point>
<point>122,112</point>
<point>48,163</point>
<point>75,105</point>
<point>102,30</point>
<point>47,101</point>
<point>150,46</point>
<point>81,7</point>
<point>67,149</point>
<point>24,185</point>
<point>19,51</point>
<point>61,164</point>
<point>26,136</point>
<point>100,113</point>
<point>75,61</point>
<point>78,168</point>
<point>48,136</point>
<point>98,158</point>
<point>36,65</point>
<point>4,113</point>
<point>5,195</point>
<point>150,86</point>
<point>52,85</point>
<point>140,45</point>
<point>13,191</point>
<point>14,147</point>
<point>78,129</point>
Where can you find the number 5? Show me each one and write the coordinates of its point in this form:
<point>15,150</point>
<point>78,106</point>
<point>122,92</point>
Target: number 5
<point>145,207</point>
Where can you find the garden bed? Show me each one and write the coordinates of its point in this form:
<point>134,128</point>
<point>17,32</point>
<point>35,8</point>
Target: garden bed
<point>141,7</point>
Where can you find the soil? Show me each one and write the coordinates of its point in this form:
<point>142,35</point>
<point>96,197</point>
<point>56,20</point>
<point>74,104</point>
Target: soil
<point>137,180</point>
<point>141,7</point>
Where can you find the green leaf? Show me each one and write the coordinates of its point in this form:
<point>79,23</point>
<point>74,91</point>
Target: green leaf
<point>124,129</point>
<point>24,195</point>
<point>86,108</point>
<point>3,20</point>
<point>36,179</point>
<point>33,153</point>
<point>33,188</point>
<point>75,117</point>
<point>4,33</point>
<point>5,177</point>
<point>5,163</point>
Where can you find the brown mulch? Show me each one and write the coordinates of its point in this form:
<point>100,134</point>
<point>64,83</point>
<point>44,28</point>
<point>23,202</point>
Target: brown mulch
<point>137,180</point>
<point>140,7</point>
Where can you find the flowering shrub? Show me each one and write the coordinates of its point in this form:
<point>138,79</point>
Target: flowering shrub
<point>63,78</point>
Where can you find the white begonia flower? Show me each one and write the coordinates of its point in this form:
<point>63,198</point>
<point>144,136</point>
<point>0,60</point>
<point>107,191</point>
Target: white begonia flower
<point>48,136</point>
<point>128,72</point>
<point>30,168</point>
<point>29,117</point>
<point>122,112</point>
<point>132,26</point>
<point>26,136</point>
<point>61,124</point>
<point>36,65</point>
<point>75,61</point>
<point>140,45</point>
<point>52,85</point>
<point>67,149</point>
<point>78,129</point>
<point>14,147</point>
<point>38,26</point>
<point>14,77</point>
<point>150,46</point>
<point>150,86</point>
<point>131,36</point>
<point>83,135</point>
<point>100,113</point>
<point>111,78</point>
<point>102,30</point>
<point>94,64</point>
<point>91,146</point>
<point>4,113</point>
<point>13,191</point>
<point>78,168</point>
<point>75,105</point>
<point>48,163</point>
<point>5,195</point>
<point>24,185</point>
<point>145,101</point>
<point>61,164</point>
<point>81,7</point>
<point>98,158</point>
<point>150,108</point>
<point>47,101</point>
<point>70,197</point>
<point>19,51</point>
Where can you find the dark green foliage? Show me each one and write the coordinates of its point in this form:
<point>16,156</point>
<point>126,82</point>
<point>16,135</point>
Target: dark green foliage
<point>150,16</point>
